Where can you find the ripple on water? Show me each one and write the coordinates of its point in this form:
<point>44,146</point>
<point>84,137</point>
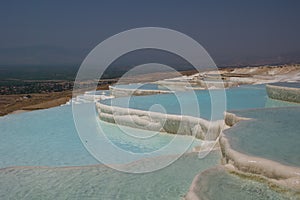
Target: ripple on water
<point>100,182</point>
<point>217,183</point>
<point>272,134</point>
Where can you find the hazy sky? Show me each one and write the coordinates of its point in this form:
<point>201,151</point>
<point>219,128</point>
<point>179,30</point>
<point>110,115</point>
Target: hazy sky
<point>231,31</point>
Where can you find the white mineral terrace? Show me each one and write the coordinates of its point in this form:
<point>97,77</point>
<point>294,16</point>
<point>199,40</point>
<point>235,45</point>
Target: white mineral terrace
<point>121,92</point>
<point>284,93</point>
<point>278,173</point>
<point>154,121</point>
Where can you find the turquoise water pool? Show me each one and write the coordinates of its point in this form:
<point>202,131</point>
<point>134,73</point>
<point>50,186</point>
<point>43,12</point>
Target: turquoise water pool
<point>100,182</point>
<point>219,184</point>
<point>272,134</point>
<point>42,138</point>
<point>49,138</point>
<point>243,97</point>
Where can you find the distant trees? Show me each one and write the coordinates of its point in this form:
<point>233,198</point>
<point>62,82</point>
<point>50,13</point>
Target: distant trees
<point>23,87</point>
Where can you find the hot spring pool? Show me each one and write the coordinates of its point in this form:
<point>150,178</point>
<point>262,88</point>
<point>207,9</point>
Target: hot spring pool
<point>100,182</point>
<point>217,183</point>
<point>243,97</point>
<point>272,134</point>
<point>42,157</point>
<point>49,138</point>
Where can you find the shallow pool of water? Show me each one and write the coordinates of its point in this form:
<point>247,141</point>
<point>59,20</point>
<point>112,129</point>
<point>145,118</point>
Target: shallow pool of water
<point>100,182</point>
<point>198,103</point>
<point>219,184</point>
<point>273,133</point>
<point>49,138</point>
